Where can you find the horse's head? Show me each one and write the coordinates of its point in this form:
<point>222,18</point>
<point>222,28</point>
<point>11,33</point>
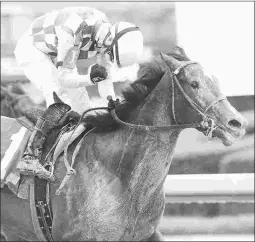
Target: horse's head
<point>14,101</point>
<point>192,86</point>
<point>11,92</point>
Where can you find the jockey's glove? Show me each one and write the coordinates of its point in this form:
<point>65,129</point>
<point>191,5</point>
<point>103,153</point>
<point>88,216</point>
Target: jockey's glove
<point>98,73</point>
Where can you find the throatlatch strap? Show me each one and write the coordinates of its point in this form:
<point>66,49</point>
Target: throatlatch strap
<point>105,38</point>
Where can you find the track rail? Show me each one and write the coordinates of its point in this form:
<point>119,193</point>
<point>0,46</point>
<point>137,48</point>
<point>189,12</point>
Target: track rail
<point>210,188</point>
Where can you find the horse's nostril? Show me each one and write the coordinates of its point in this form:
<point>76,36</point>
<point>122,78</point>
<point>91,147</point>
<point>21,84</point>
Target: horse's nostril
<point>235,123</point>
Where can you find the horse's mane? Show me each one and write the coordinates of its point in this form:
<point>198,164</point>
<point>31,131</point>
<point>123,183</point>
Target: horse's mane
<point>149,75</point>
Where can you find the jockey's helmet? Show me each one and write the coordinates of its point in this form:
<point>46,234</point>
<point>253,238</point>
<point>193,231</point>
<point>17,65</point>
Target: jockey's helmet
<point>126,44</point>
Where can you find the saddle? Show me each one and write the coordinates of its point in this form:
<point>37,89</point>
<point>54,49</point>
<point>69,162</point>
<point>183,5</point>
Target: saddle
<point>34,189</point>
<point>30,122</point>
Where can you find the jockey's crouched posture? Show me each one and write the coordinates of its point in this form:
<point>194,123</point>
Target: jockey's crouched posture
<point>48,52</point>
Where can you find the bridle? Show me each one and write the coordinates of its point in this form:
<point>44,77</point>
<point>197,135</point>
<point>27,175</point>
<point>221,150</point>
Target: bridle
<point>206,124</point>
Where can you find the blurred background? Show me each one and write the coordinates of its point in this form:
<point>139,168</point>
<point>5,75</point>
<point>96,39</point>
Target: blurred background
<point>220,35</point>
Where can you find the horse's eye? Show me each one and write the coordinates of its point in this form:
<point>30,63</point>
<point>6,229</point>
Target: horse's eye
<point>194,84</point>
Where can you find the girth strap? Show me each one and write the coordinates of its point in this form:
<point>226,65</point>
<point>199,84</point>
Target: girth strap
<point>40,208</point>
<point>40,203</point>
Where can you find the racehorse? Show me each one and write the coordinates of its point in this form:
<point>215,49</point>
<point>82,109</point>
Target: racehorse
<point>14,101</point>
<point>117,192</point>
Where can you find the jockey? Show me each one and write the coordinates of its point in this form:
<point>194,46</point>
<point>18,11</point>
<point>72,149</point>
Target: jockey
<point>49,50</point>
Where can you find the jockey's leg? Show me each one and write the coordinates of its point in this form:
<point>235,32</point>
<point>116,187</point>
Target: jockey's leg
<point>43,74</point>
<point>40,70</point>
<point>30,162</point>
<point>37,66</point>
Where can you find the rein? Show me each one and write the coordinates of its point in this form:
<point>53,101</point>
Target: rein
<point>207,123</point>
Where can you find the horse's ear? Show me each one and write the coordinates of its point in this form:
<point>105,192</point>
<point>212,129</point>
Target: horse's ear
<point>171,62</point>
<point>56,98</point>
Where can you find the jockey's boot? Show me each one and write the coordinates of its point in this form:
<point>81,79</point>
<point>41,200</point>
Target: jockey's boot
<point>30,162</point>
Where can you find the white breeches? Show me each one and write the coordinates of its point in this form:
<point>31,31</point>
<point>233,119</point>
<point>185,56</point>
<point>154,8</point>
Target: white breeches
<point>40,70</point>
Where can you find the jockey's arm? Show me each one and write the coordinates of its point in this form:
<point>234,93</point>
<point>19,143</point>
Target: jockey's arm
<point>68,54</point>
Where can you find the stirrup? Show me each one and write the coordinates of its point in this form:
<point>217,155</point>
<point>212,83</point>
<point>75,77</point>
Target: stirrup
<point>30,165</point>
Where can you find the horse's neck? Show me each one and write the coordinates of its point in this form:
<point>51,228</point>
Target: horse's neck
<point>156,147</point>
<point>145,154</point>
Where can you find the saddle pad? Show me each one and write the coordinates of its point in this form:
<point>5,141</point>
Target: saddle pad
<point>9,126</point>
<point>14,134</point>
<point>13,143</point>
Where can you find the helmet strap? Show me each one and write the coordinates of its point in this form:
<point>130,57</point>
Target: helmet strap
<point>115,41</point>
<point>105,38</point>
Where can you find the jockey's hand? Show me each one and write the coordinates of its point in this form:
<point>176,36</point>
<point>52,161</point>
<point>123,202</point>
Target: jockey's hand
<point>97,73</point>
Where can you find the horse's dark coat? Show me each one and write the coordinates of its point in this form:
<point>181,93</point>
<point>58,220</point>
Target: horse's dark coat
<point>117,193</point>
